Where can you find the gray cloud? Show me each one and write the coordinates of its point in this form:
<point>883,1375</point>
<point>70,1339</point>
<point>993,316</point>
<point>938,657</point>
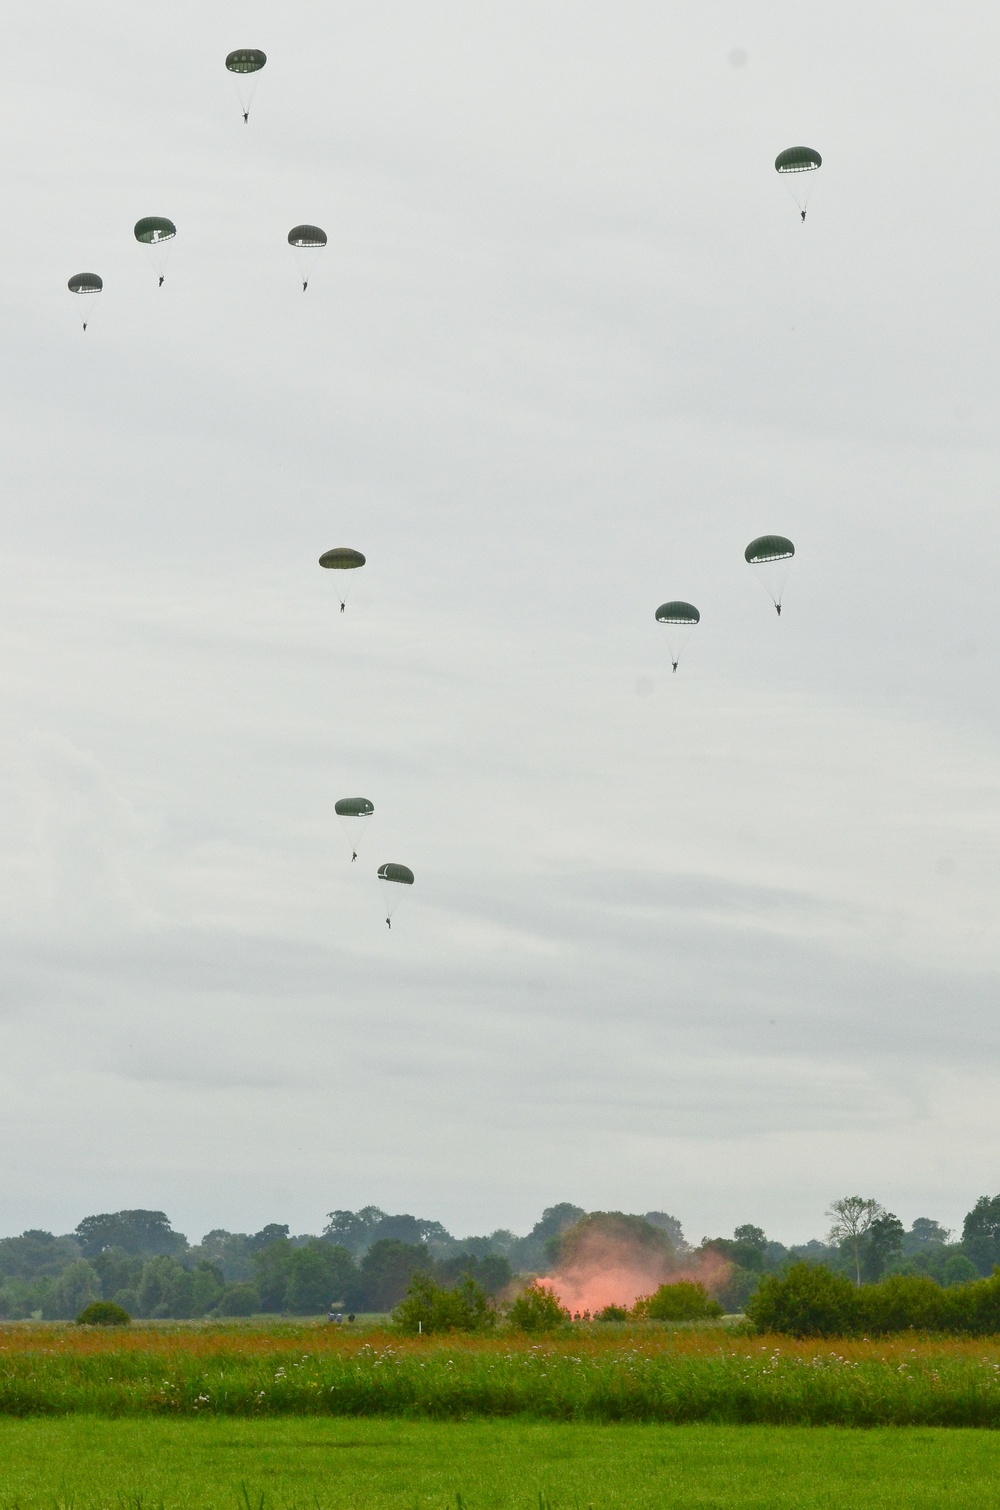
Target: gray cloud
<point>727,946</point>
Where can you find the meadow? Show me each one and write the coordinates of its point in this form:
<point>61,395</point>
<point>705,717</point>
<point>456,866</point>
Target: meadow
<point>600,1374</point>
<point>86,1463</point>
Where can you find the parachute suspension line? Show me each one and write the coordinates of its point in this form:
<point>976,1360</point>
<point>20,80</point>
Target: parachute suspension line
<point>245,99</point>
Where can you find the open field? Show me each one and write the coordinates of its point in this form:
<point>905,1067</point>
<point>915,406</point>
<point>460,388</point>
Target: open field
<point>636,1374</point>
<point>86,1463</point>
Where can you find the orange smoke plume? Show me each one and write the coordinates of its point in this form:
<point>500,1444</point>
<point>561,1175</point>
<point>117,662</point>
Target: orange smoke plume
<point>603,1269</point>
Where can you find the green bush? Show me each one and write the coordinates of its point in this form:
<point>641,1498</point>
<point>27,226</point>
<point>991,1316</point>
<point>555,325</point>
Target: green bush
<point>429,1307</point>
<point>901,1302</point>
<point>611,1313</point>
<point>103,1313</point>
<point>239,1299</point>
<point>687,1300</point>
<point>808,1301</point>
<point>975,1307</point>
<point>537,1309</point>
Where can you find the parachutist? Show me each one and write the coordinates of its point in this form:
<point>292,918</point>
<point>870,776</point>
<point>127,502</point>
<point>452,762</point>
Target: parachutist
<point>388,924</point>
<point>354,856</point>
<point>305,284</point>
<point>778,607</point>
<point>673,665</point>
<point>342,607</point>
<point>84,324</point>
<point>160,284</point>
<point>803,214</point>
<point>246,116</point>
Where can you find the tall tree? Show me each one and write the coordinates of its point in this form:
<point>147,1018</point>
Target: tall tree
<point>387,1269</point>
<point>882,1246</point>
<point>850,1220</point>
<point>981,1233</point>
<point>353,1230</point>
<point>145,1232</point>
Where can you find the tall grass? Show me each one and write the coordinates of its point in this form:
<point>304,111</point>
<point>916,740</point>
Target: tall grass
<point>631,1375</point>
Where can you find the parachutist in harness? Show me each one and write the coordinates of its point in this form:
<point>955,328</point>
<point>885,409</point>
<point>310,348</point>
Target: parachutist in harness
<point>803,214</point>
<point>246,116</point>
<point>305,284</point>
<point>160,285</point>
<point>343,605</point>
<point>778,607</point>
<point>388,924</point>
<point>354,856</point>
<point>84,324</point>
<point>673,665</point>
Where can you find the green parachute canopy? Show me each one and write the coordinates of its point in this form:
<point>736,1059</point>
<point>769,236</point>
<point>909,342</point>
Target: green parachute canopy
<point>246,60</point>
<point>85,283</point>
<point>677,613</point>
<point>797,160</point>
<point>154,229</point>
<point>354,807</point>
<point>308,236</point>
<point>341,558</point>
<point>771,559</point>
<point>391,872</point>
<point>769,548</point>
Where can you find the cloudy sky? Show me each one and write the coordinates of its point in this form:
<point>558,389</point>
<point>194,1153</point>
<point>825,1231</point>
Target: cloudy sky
<point>723,943</point>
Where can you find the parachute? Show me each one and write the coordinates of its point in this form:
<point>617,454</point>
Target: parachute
<point>797,160</point>
<point>87,285</point>
<point>153,232</point>
<point>353,807</point>
<point>246,60</point>
<point>342,558</point>
<point>353,811</point>
<point>308,241</point>
<point>792,162</point>
<point>680,619</point>
<point>771,557</point>
<point>393,877</point>
<point>244,64</point>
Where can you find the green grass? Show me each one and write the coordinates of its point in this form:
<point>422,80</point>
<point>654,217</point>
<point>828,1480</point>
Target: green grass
<point>84,1463</point>
<point>648,1376</point>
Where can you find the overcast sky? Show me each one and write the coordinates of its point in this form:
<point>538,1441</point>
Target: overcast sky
<point>723,943</point>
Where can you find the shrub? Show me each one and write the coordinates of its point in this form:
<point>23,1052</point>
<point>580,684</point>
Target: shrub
<point>901,1302</point>
<point>103,1313</point>
<point>430,1307</point>
<point>976,1307</point>
<point>808,1301</point>
<point>537,1309</point>
<point>611,1313</point>
<point>239,1299</point>
<point>687,1300</point>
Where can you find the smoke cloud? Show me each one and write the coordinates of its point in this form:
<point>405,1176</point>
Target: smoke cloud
<point>605,1269</point>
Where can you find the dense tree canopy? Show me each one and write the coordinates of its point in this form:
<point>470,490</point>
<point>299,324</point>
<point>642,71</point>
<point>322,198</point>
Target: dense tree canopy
<point>146,1232</point>
<point>365,1260</point>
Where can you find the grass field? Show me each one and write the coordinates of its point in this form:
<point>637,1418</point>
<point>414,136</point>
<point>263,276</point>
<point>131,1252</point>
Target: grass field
<point>629,1374</point>
<point>84,1463</point>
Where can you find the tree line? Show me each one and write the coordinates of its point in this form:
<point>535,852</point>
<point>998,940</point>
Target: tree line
<point>363,1261</point>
